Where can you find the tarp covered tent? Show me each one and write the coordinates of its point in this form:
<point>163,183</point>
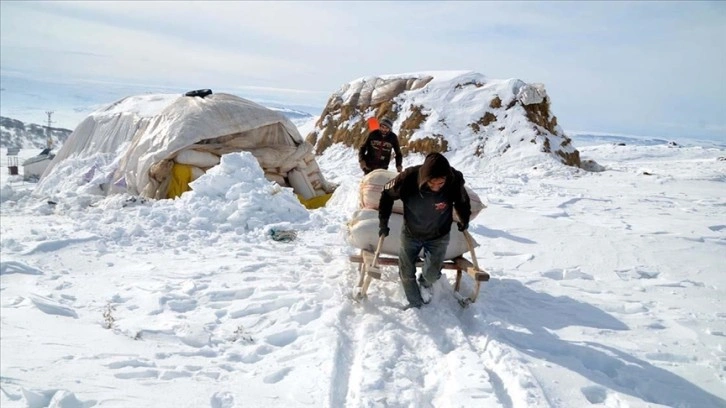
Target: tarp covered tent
<point>165,141</point>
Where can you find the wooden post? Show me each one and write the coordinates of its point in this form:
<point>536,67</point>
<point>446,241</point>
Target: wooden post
<point>361,271</point>
<point>364,289</point>
<point>372,270</point>
<point>473,297</point>
<point>470,244</point>
<point>458,280</point>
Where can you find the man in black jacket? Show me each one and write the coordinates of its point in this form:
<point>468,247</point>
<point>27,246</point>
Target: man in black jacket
<point>430,192</point>
<point>375,153</point>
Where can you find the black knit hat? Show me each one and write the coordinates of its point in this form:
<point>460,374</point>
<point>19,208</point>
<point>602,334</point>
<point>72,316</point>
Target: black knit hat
<point>387,123</point>
<point>434,166</point>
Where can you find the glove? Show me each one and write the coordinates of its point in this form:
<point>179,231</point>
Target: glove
<point>383,231</point>
<point>462,226</point>
<point>399,168</point>
<point>363,165</point>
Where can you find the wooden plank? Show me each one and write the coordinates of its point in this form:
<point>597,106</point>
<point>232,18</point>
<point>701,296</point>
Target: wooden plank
<point>462,263</point>
<point>458,263</point>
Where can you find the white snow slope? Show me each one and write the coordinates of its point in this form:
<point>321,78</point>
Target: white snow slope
<point>607,290</point>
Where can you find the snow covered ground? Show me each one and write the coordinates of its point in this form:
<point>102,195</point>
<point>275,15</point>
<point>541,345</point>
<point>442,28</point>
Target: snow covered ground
<point>607,289</point>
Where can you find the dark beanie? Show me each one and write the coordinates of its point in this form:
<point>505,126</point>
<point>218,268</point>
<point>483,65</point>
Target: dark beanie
<point>435,165</point>
<point>386,122</point>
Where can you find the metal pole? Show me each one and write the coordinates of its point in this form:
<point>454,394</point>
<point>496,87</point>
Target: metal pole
<point>50,141</point>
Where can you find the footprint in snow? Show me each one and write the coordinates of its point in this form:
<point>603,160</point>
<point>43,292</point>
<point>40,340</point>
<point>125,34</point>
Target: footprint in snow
<point>133,363</point>
<point>53,398</point>
<point>282,338</point>
<point>49,306</point>
<point>10,267</point>
<point>51,246</point>
<point>229,295</point>
<point>277,376</point>
<point>132,375</point>
<point>566,274</point>
<point>222,399</point>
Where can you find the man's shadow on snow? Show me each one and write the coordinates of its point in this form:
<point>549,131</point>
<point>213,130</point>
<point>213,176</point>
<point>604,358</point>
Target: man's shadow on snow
<point>495,233</point>
<point>510,301</point>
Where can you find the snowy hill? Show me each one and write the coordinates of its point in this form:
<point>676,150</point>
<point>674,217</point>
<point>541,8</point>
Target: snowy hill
<point>593,139</point>
<point>297,117</point>
<point>16,134</point>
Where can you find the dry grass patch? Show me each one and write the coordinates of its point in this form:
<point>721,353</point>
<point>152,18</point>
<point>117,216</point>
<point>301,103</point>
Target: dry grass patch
<point>539,113</point>
<point>433,144</point>
<point>475,83</point>
<point>571,159</point>
<point>496,103</point>
<point>385,110</point>
<point>411,124</point>
<point>483,122</point>
<point>312,138</point>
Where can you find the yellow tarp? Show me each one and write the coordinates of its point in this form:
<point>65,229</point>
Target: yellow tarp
<point>315,202</point>
<point>181,176</point>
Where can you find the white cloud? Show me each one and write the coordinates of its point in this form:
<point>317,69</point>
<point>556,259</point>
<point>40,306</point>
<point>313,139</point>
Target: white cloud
<point>635,59</point>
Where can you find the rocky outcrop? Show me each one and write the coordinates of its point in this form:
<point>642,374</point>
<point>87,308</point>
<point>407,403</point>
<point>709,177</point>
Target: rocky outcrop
<point>446,111</point>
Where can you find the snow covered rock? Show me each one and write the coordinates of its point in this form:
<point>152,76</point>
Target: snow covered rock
<point>442,111</point>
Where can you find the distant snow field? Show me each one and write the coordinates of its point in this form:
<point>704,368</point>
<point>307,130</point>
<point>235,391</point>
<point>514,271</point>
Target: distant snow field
<point>607,289</point>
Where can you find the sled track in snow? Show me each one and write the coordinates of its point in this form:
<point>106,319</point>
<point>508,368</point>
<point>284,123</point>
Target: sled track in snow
<point>344,359</point>
<point>438,356</point>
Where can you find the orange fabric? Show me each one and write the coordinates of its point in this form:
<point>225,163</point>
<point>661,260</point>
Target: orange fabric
<point>373,124</point>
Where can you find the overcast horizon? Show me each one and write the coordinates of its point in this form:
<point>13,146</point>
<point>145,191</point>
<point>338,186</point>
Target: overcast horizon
<point>635,68</point>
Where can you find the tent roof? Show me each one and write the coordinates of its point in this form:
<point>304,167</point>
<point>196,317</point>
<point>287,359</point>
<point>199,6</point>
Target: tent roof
<point>145,129</point>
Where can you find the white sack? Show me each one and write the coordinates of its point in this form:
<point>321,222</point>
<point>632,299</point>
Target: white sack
<point>363,233</point>
<point>285,158</point>
<point>371,187</point>
<point>300,184</point>
<point>276,178</point>
<point>196,173</point>
<point>197,158</point>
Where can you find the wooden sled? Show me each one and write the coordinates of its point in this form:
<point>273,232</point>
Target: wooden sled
<point>370,261</point>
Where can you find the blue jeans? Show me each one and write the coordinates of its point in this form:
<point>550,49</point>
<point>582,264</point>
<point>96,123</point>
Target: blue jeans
<point>434,253</point>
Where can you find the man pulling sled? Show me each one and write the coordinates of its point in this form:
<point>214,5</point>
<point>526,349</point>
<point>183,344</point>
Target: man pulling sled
<point>432,194</point>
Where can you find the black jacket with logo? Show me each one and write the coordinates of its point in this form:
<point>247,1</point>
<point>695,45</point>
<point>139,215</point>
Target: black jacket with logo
<point>376,151</point>
<point>427,214</point>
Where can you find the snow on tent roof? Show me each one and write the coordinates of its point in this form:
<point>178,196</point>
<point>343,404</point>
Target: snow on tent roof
<point>143,134</point>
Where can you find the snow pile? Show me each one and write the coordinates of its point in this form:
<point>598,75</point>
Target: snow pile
<point>240,195</point>
<point>234,197</point>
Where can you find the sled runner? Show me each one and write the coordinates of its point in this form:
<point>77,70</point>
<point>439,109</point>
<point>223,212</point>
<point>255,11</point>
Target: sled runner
<point>371,261</point>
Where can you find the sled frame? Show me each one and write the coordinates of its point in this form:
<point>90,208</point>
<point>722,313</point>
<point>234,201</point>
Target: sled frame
<point>459,264</point>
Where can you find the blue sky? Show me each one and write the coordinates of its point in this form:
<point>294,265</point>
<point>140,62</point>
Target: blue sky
<point>644,68</point>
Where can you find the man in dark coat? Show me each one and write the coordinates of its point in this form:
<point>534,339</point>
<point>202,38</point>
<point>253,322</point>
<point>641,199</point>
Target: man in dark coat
<point>430,192</point>
<point>375,153</point>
